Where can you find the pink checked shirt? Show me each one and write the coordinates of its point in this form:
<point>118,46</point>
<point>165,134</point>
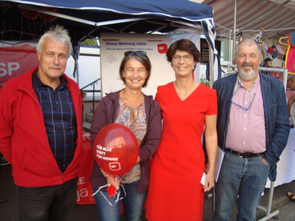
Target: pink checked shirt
<point>246,129</point>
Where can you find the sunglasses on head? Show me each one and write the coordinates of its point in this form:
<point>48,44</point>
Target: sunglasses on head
<point>130,53</point>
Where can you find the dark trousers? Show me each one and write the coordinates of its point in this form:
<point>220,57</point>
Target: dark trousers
<point>52,203</point>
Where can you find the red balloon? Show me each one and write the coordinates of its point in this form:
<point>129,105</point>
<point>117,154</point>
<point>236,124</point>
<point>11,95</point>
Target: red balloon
<point>116,149</point>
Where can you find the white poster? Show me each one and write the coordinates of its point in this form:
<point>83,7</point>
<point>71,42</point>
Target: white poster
<point>113,46</point>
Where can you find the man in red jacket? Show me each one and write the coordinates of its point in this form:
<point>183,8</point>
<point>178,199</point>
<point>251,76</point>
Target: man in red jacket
<point>41,132</point>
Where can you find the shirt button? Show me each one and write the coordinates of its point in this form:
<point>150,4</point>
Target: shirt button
<point>244,128</point>
<point>246,102</point>
<point>245,115</point>
<point>244,142</point>
<point>56,102</point>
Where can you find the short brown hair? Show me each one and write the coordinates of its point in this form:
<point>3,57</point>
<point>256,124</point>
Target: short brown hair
<point>142,57</point>
<point>183,45</point>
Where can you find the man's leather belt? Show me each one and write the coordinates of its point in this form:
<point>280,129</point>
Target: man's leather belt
<point>244,154</point>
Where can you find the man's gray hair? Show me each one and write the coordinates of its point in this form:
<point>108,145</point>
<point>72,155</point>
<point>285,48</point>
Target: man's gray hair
<point>57,34</point>
<point>248,42</point>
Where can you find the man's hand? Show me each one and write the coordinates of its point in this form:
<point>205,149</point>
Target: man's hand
<point>264,161</point>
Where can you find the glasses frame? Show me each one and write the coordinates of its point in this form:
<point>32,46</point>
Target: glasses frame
<point>244,108</point>
<point>174,58</point>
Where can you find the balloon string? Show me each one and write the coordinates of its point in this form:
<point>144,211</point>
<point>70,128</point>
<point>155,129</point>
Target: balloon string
<point>111,189</point>
<point>116,192</point>
<point>100,189</point>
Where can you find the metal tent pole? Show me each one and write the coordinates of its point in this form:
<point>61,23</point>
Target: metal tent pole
<point>234,30</point>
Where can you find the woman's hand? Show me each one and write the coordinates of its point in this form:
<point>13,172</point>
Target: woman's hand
<point>111,180</point>
<point>209,181</point>
<point>138,160</point>
<point>211,147</point>
<point>104,173</point>
<point>207,168</point>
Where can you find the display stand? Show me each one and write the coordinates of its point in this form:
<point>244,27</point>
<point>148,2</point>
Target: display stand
<point>267,209</point>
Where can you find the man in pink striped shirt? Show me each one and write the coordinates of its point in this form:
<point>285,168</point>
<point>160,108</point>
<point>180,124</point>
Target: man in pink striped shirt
<point>253,128</point>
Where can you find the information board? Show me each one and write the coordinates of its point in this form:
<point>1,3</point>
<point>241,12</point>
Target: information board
<point>113,46</point>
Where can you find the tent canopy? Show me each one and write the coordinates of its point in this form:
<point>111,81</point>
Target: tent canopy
<point>275,17</point>
<point>29,19</point>
<point>26,20</point>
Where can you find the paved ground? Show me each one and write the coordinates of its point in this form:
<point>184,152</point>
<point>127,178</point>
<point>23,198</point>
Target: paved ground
<point>8,211</point>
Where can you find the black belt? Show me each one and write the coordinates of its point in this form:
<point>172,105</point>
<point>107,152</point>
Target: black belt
<point>244,154</point>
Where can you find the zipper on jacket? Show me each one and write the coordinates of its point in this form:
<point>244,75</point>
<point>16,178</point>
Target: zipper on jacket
<point>148,125</point>
<point>113,109</point>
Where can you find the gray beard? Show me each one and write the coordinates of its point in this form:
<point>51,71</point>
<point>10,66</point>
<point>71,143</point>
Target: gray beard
<point>247,76</point>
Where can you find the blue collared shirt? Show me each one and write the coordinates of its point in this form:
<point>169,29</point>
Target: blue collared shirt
<point>59,119</point>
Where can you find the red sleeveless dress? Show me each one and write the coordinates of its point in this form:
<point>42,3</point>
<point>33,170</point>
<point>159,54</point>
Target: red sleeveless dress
<point>175,191</point>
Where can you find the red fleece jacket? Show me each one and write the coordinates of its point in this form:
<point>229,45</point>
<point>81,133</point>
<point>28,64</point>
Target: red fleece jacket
<point>23,138</point>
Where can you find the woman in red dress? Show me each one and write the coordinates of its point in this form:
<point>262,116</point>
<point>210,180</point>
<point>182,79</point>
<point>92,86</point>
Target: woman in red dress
<point>175,191</point>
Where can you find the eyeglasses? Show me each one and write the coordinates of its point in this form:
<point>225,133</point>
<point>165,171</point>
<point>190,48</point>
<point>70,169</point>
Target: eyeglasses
<point>186,58</point>
<point>130,53</point>
<point>244,108</point>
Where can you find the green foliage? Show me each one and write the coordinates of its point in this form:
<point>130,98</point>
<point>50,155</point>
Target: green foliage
<point>89,41</point>
<point>203,80</point>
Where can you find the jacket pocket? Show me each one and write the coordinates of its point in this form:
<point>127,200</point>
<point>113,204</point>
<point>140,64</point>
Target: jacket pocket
<point>26,160</point>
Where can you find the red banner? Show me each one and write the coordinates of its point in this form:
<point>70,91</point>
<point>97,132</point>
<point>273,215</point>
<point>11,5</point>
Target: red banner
<point>16,60</point>
<point>84,192</point>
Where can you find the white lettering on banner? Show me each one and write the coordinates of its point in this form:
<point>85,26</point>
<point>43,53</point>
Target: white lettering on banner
<point>81,180</point>
<point>11,66</point>
<point>83,192</point>
<point>3,71</point>
<point>78,196</point>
